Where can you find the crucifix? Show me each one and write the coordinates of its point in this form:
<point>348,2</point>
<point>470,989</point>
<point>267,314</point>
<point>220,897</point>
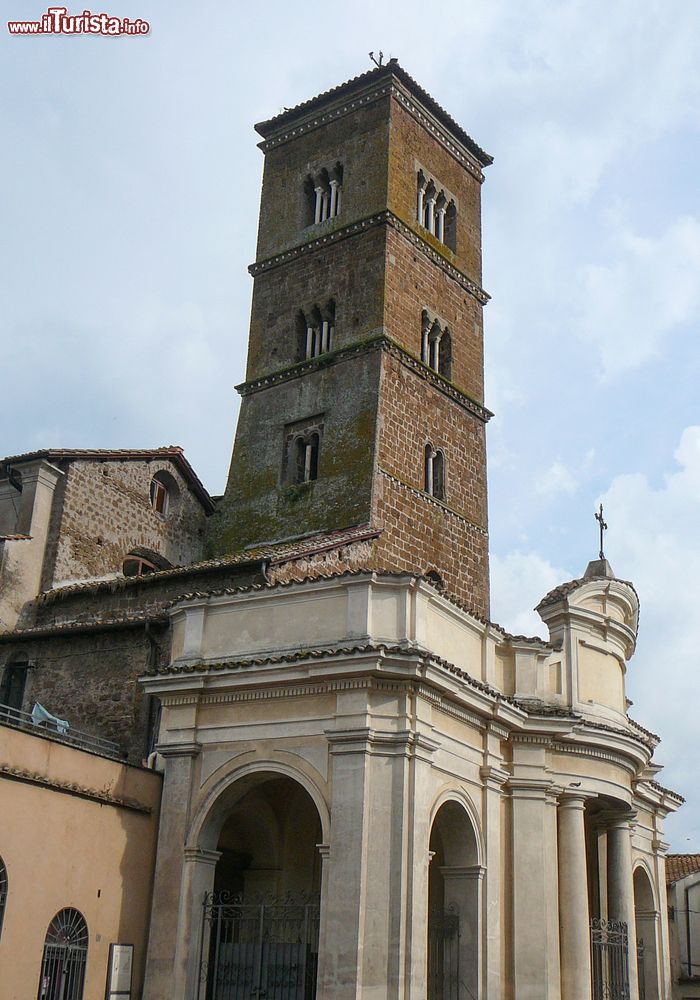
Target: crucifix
<point>603,527</point>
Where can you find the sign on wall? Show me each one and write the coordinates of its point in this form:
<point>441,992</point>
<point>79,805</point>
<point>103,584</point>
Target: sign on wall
<point>119,970</point>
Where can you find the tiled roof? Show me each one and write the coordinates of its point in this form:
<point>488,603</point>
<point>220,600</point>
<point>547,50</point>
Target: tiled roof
<point>392,68</point>
<point>274,553</point>
<point>173,452</point>
<point>680,865</point>
<point>567,588</point>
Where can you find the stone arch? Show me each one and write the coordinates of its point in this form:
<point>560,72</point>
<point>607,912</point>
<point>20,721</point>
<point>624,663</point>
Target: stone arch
<point>454,900</point>
<point>229,788</point>
<point>645,943</point>
<point>459,796</point>
<point>252,854</point>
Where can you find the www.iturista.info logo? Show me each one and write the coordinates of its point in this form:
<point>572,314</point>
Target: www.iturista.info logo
<point>57,21</point>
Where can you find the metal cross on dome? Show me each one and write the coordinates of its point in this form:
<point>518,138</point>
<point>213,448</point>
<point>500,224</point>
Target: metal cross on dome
<point>603,527</point>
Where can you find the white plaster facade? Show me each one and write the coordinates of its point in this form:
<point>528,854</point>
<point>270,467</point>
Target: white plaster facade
<point>449,767</point>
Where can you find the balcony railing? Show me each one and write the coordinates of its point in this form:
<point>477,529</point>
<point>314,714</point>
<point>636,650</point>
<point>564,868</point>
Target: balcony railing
<point>71,737</point>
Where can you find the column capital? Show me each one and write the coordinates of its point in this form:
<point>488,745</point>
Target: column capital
<point>324,850</point>
<point>573,800</point>
<point>201,856</point>
<point>189,749</point>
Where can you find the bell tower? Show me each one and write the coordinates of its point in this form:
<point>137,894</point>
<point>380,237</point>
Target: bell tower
<point>363,399</point>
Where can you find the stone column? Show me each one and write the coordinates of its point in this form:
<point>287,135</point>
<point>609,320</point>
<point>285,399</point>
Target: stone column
<point>574,917</point>
<point>621,888</point>
<point>535,896</point>
<point>180,760</point>
<point>193,939</point>
<point>494,777</point>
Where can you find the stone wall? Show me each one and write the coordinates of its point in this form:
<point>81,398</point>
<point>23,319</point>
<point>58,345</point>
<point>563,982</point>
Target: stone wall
<point>259,505</point>
<point>105,511</point>
<point>358,141</point>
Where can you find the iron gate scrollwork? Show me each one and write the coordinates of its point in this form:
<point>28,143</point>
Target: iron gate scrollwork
<point>443,955</point>
<point>259,948</point>
<point>610,959</point>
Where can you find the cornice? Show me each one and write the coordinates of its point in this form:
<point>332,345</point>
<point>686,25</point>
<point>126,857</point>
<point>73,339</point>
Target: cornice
<point>363,225</point>
<point>378,342</point>
<point>341,108</point>
<point>71,788</point>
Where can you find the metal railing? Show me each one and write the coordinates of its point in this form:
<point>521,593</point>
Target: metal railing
<point>609,959</point>
<point>72,737</point>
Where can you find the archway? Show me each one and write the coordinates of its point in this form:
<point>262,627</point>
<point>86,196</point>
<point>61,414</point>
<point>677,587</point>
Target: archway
<point>65,957</point>
<point>261,922</point>
<point>646,919</point>
<point>454,893</point>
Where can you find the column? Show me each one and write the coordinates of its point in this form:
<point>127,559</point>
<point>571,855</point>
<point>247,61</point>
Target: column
<point>535,895</point>
<point>319,204</point>
<point>621,888</point>
<point>574,919</point>
<point>430,220</point>
<point>335,207</point>
<point>309,342</point>
<point>421,196</point>
<point>180,760</point>
<point>324,336</point>
<point>493,777</point>
<point>193,938</point>
<point>440,227</point>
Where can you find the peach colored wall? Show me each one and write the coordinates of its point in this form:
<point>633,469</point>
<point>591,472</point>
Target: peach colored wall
<point>62,850</point>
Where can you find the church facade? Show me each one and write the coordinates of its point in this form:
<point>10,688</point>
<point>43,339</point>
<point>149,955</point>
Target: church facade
<point>370,790</point>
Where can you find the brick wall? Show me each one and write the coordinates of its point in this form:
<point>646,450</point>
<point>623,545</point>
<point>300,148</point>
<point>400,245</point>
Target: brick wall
<point>360,142</point>
<point>351,272</point>
<point>410,142</point>
<point>421,533</point>
<point>104,511</point>
<point>414,282</point>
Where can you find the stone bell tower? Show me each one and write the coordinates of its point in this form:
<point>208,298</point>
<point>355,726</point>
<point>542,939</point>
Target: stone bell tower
<point>363,400</point>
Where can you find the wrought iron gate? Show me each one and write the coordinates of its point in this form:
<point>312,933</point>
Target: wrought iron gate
<point>640,970</point>
<point>443,955</point>
<point>262,950</point>
<point>610,959</point>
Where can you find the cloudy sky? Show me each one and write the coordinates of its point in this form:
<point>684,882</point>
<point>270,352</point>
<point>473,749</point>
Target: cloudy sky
<point>130,184</point>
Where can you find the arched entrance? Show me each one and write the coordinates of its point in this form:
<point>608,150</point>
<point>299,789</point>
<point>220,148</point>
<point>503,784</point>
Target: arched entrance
<point>261,922</point>
<point>65,956</point>
<point>646,920</point>
<point>454,893</point>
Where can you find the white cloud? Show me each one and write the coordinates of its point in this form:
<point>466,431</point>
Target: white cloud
<point>650,289</point>
<point>555,480</point>
<point>519,580</point>
<point>653,541</point>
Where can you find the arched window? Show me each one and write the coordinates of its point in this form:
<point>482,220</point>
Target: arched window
<point>323,194</point>
<point>434,472</point>
<point>65,957</point>
<point>316,330</point>
<point>3,891</point>
<point>164,493</point>
<point>306,458</point>
<point>436,345</point>
<point>436,210</point>
<point>141,562</point>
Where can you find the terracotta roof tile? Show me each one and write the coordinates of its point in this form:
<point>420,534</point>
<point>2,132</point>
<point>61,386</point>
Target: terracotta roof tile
<point>680,865</point>
<point>173,452</point>
<point>276,552</point>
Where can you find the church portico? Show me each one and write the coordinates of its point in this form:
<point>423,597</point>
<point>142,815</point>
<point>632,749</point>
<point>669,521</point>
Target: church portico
<point>458,841</point>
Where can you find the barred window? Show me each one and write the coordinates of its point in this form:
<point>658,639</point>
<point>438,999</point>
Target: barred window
<point>65,957</point>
